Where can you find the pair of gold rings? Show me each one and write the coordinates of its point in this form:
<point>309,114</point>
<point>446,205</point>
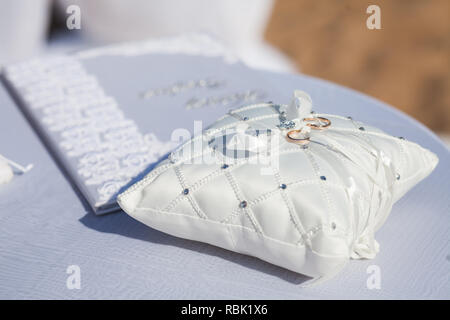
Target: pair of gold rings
<point>317,123</point>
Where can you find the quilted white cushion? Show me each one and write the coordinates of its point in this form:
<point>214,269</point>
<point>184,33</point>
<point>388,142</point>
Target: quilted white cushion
<point>307,207</point>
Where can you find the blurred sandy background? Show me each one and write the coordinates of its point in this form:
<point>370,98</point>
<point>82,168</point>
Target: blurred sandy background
<point>406,63</point>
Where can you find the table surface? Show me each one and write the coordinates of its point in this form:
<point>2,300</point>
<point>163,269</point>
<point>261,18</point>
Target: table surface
<point>45,228</point>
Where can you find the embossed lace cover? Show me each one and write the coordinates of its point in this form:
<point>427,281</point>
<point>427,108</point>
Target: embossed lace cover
<point>109,148</point>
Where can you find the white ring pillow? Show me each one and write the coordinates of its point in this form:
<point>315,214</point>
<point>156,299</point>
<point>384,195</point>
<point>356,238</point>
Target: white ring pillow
<point>308,207</point>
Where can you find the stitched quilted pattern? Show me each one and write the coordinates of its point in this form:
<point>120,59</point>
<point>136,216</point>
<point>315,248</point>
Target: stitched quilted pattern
<point>339,187</point>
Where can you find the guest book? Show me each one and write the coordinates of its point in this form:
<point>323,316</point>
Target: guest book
<point>108,115</point>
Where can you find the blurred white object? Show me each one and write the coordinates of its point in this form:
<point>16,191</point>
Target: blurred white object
<point>239,24</point>
<point>6,172</point>
<point>23,28</point>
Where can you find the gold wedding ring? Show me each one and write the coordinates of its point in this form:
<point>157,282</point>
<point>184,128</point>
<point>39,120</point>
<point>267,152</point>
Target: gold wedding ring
<point>317,123</point>
<point>300,141</point>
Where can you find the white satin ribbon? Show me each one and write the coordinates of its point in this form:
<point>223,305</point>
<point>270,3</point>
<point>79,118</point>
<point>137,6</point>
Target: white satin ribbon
<point>6,172</point>
<point>300,106</point>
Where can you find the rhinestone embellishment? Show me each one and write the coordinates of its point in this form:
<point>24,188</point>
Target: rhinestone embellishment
<point>286,124</point>
<point>185,191</point>
<point>283,186</point>
<point>243,204</point>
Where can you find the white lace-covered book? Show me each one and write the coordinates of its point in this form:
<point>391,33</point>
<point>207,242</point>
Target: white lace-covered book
<point>108,115</point>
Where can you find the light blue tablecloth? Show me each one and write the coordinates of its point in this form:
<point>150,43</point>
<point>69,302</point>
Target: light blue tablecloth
<point>45,227</point>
